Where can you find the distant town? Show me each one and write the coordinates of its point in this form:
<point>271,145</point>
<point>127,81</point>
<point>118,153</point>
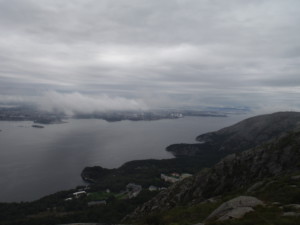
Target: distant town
<point>30,114</point>
<point>26,113</point>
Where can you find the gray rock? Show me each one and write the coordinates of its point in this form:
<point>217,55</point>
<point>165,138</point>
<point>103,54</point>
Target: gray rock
<point>236,213</point>
<point>291,214</point>
<point>211,200</point>
<point>255,186</point>
<point>235,208</point>
<point>295,206</point>
<point>295,177</point>
<point>276,203</point>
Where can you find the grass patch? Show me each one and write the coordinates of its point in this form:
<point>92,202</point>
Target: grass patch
<point>262,216</point>
<point>282,189</point>
<point>181,215</point>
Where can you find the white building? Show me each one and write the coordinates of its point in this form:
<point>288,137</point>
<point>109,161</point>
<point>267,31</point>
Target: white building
<point>79,193</point>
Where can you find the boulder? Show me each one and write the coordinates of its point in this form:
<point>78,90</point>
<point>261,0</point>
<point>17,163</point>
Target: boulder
<point>255,186</point>
<point>295,177</point>
<point>235,208</point>
<point>236,213</point>
<point>295,206</point>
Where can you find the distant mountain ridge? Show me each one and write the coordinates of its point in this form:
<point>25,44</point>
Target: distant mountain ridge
<point>241,136</point>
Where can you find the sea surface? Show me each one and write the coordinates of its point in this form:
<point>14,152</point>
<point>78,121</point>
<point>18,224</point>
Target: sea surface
<point>35,162</point>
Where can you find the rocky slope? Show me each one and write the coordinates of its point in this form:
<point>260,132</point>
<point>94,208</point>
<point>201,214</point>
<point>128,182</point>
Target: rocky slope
<point>235,172</point>
<point>241,136</point>
<point>191,158</point>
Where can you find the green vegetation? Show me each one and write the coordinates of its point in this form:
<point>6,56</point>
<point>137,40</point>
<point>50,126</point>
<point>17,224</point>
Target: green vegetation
<point>194,214</point>
<point>278,193</point>
<point>94,196</point>
<point>54,210</point>
<point>282,189</point>
<point>145,172</point>
<point>181,215</point>
<point>262,216</point>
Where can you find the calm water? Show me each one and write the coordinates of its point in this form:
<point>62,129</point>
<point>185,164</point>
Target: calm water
<point>35,162</point>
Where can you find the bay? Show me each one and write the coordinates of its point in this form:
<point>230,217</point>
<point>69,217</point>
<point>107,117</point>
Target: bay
<point>35,162</point>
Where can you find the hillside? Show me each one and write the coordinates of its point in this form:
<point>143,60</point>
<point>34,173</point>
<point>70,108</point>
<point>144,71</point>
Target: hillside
<point>190,158</point>
<point>144,172</point>
<point>266,164</point>
<point>241,136</point>
<point>273,141</point>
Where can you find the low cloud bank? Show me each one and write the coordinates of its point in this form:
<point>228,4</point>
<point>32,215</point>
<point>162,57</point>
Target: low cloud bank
<point>72,103</point>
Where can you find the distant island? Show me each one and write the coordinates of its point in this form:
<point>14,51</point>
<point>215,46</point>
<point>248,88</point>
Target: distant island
<point>37,126</point>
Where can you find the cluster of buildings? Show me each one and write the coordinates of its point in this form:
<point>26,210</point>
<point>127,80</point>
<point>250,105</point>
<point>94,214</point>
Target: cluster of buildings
<point>176,115</point>
<point>25,113</point>
<point>132,189</point>
<point>154,188</point>
<point>132,115</point>
<point>76,195</point>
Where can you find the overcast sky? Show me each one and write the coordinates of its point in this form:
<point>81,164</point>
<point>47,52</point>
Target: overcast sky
<point>132,54</point>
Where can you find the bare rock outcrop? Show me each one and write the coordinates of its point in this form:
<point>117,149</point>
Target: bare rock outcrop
<point>235,208</point>
<point>234,172</point>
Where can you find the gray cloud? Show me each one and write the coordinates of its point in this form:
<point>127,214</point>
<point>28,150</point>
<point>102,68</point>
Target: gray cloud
<point>164,53</point>
<point>71,103</point>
